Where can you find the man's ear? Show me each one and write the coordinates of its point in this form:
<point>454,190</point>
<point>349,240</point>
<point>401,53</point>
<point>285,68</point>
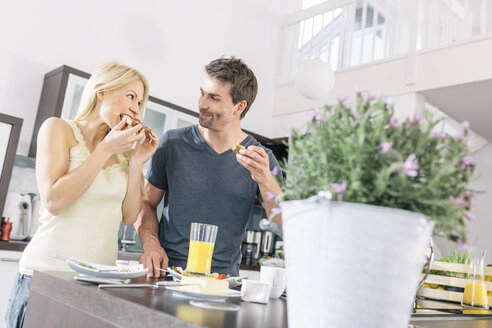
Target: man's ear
<point>240,107</point>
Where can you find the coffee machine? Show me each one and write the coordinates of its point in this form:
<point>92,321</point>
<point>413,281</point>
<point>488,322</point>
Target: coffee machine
<point>257,244</point>
<point>267,243</point>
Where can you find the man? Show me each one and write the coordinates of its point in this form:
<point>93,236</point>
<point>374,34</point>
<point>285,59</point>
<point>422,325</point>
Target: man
<point>203,180</point>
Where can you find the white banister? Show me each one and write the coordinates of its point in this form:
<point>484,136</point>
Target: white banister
<point>304,14</point>
<point>346,25</point>
<point>448,34</point>
<point>467,19</point>
<point>363,29</point>
<point>374,29</point>
<point>398,29</point>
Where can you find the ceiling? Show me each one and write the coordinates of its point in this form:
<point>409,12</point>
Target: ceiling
<point>466,102</point>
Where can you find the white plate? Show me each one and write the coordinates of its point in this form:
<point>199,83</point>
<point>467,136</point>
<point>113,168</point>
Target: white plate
<point>233,281</point>
<point>231,293</point>
<point>96,270</point>
<point>224,306</point>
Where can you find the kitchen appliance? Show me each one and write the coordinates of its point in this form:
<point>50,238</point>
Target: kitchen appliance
<point>36,206</point>
<point>248,248</point>
<point>267,243</point>
<point>257,242</point>
<point>18,210</point>
<point>250,236</point>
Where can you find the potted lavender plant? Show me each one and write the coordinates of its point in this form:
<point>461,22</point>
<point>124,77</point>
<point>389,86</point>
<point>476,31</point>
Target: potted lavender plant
<point>362,195</point>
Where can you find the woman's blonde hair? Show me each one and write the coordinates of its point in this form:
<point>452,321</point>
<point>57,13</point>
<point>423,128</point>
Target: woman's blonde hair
<point>108,77</point>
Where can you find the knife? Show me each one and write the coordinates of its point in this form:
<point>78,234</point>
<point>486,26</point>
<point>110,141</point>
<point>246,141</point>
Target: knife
<point>157,285</point>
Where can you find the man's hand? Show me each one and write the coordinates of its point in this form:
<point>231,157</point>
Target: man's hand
<point>154,257</point>
<point>255,160</point>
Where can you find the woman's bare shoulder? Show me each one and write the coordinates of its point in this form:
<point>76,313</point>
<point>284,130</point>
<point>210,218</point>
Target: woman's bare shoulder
<point>55,127</point>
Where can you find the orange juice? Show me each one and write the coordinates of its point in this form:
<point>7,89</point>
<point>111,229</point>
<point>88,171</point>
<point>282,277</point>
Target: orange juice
<point>476,295</point>
<point>200,257</point>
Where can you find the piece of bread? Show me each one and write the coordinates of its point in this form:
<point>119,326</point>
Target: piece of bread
<point>133,121</point>
<point>205,285</point>
<point>237,147</point>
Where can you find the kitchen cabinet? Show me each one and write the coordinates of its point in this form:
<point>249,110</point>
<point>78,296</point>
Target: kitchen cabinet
<point>9,267</point>
<point>62,91</point>
<point>10,128</point>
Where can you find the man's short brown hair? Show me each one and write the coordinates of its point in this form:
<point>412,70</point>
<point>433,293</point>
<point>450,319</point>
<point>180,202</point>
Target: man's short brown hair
<point>243,81</point>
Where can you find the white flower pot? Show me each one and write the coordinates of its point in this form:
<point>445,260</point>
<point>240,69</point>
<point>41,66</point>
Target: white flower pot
<point>351,265</point>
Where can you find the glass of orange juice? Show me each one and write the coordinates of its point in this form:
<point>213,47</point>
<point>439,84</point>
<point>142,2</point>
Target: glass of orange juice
<point>475,293</point>
<point>202,242</point>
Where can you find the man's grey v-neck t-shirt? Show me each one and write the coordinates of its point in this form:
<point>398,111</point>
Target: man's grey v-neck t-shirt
<point>201,185</point>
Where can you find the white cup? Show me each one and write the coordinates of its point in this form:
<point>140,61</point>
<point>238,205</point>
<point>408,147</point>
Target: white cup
<point>255,291</point>
<point>276,277</point>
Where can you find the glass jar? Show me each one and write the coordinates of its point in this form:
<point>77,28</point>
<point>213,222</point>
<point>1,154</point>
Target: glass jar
<point>475,294</point>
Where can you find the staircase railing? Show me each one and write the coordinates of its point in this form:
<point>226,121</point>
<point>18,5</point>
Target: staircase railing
<point>347,33</point>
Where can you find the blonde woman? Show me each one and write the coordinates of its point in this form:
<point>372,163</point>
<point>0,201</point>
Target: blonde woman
<point>89,174</point>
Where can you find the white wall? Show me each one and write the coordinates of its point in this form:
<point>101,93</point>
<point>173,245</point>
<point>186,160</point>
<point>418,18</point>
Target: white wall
<point>169,41</point>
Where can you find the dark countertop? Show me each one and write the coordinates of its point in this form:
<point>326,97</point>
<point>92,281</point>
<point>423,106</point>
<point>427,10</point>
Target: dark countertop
<point>56,300</point>
<point>16,246</point>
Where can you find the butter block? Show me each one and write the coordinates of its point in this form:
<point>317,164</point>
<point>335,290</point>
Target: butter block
<point>205,285</point>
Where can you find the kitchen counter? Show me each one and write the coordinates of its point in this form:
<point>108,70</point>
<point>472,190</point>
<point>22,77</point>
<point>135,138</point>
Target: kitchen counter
<point>57,300</point>
<point>16,246</point>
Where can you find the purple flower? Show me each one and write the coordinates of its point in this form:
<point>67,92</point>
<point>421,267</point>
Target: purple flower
<point>340,189</point>
<point>394,122</point>
<point>357,115</point>
<point>371,96</point>
<point>270,195</point>
<point>469,194</point>
<point>417,117</point>
<point>342,100</point>
<point>466,125</point>
<point>440,135</point>
<point>312,114</point>
<point>358,91</point>
<point>466,163</point>
<point>388,103</point>
<point>384,147</point>
<point>410,166</point>
<point>461,246</point>
<point>460,201</point>
<point>275,170</point>
<point>470,217</point>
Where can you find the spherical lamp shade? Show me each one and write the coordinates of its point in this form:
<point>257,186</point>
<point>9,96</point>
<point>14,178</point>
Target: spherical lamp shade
<point>315,79</point>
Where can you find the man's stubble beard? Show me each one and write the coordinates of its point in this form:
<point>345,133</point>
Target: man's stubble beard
<point>206,123</point>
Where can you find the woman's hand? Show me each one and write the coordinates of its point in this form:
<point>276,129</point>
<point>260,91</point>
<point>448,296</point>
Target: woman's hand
<point>119,140</point>
<point>142,151</point>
